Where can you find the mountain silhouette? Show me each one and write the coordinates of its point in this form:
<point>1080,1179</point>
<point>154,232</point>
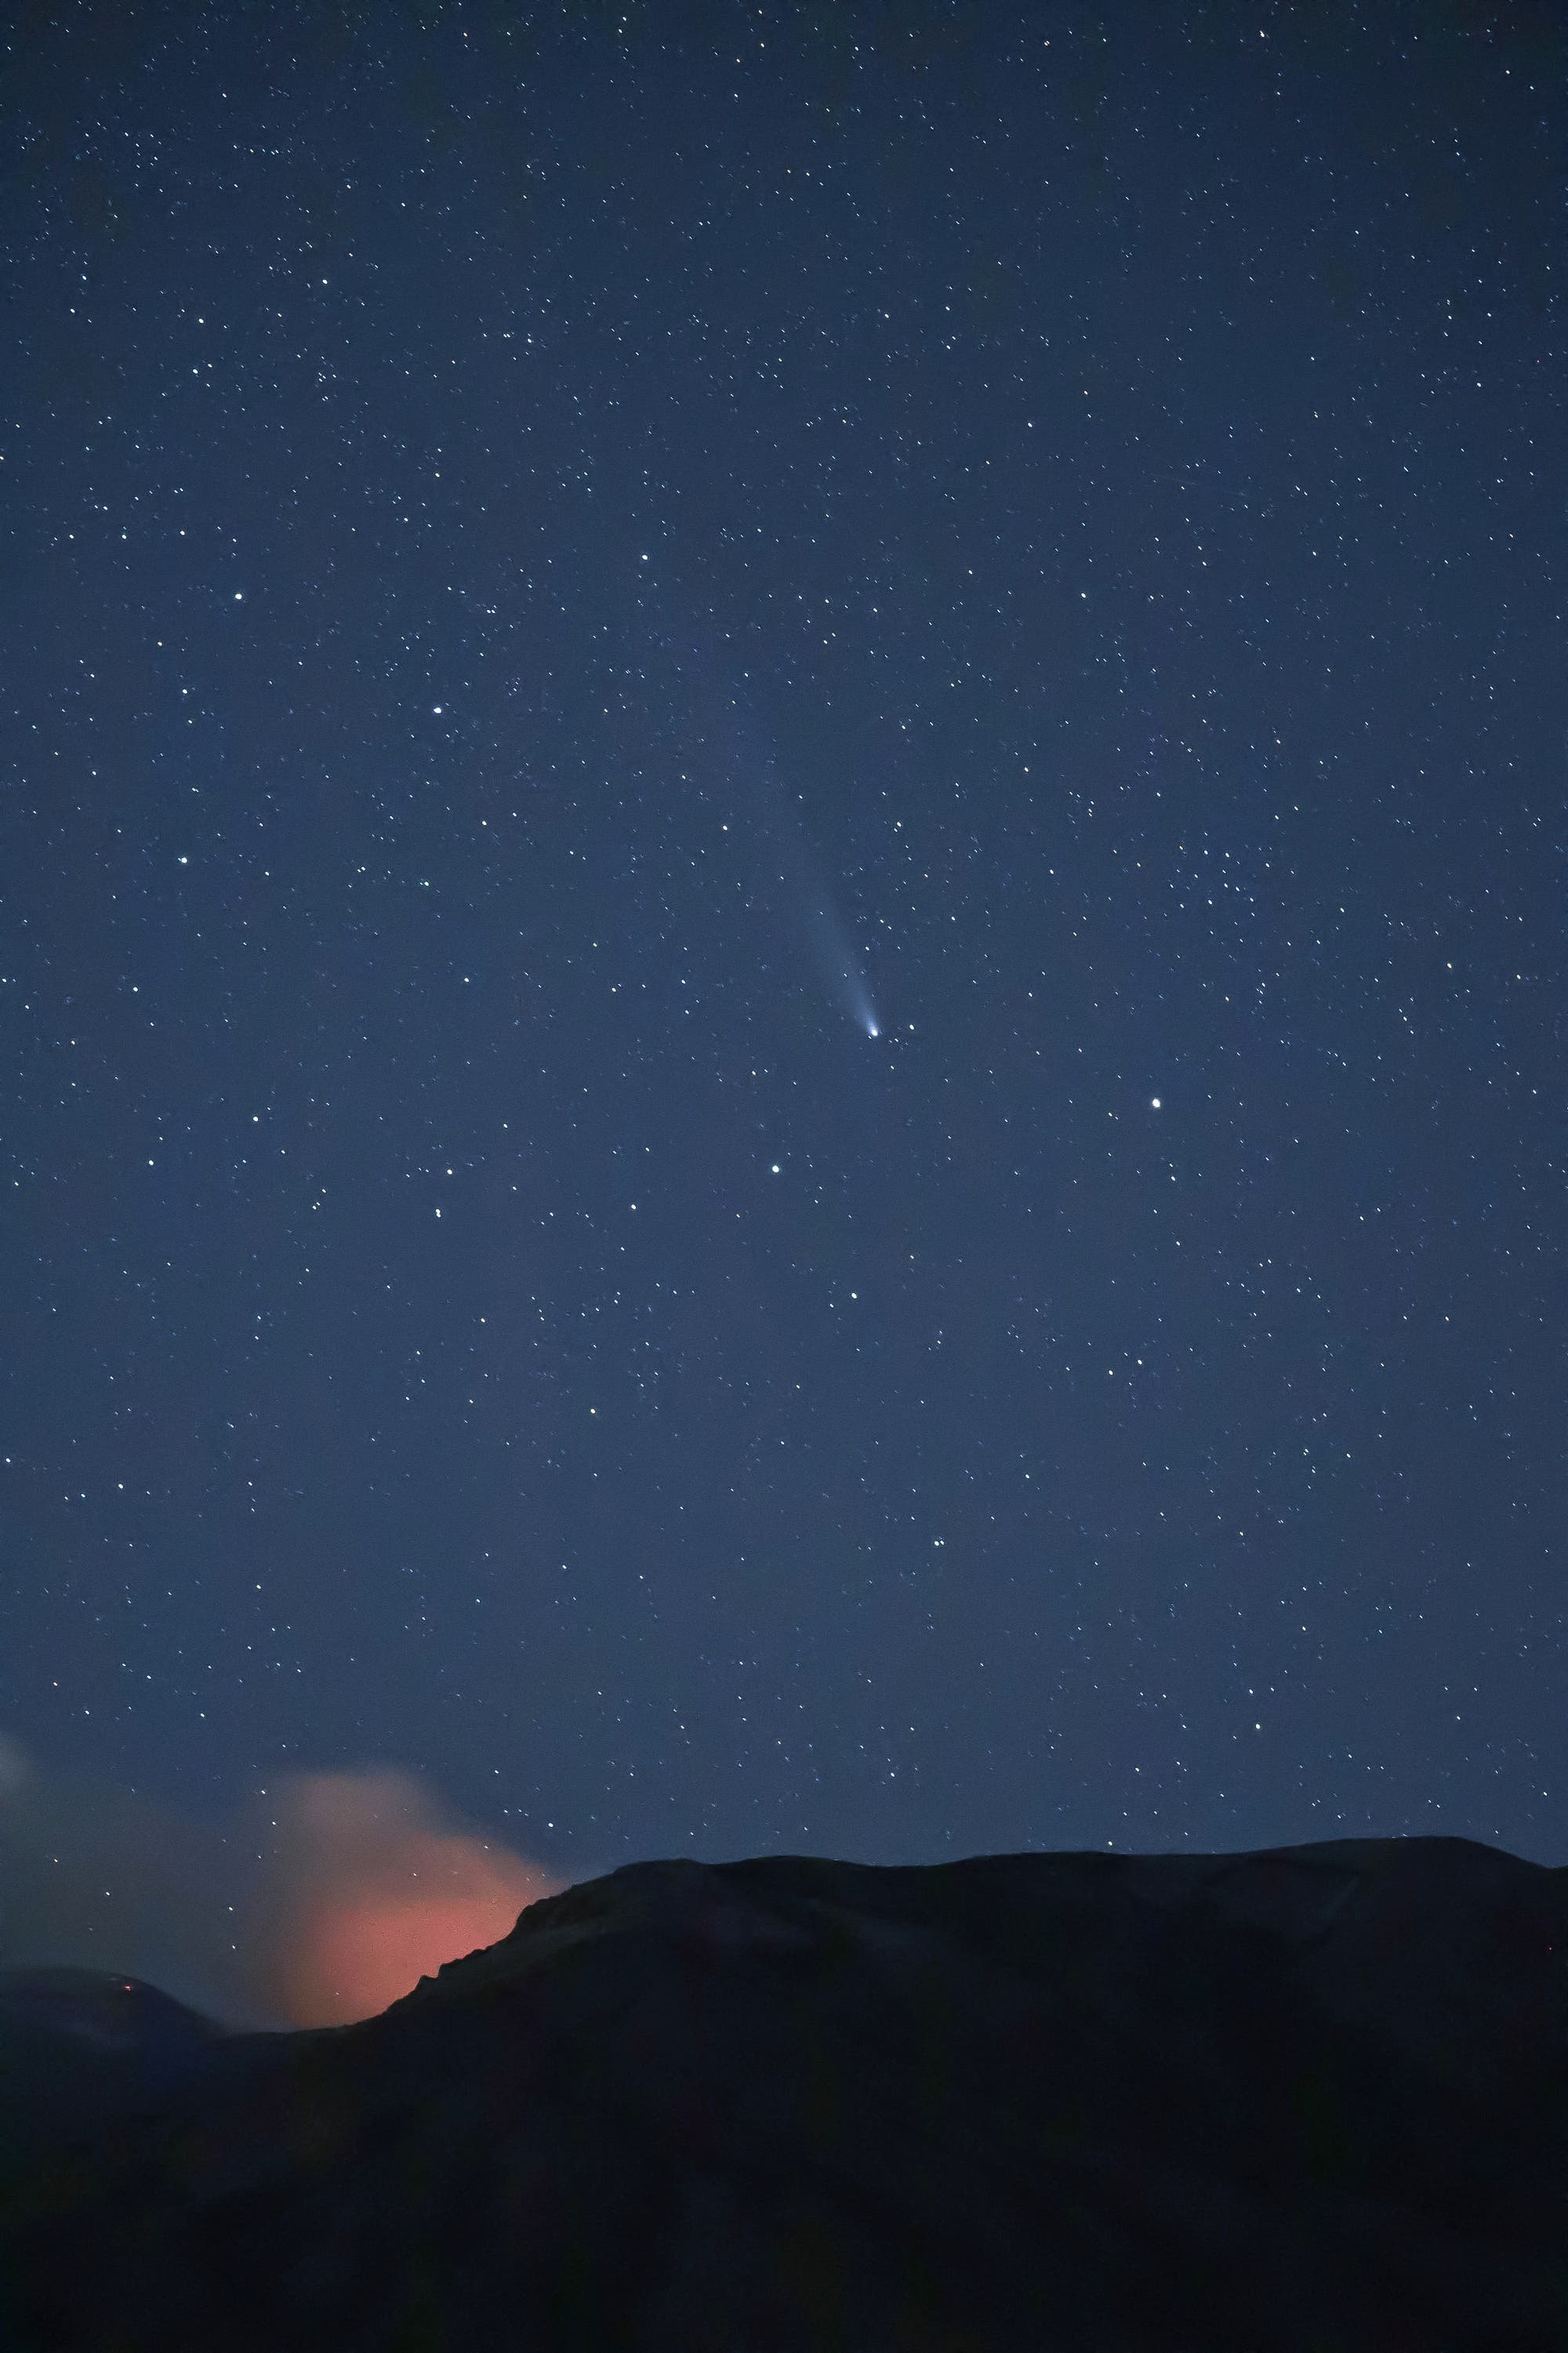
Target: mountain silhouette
<point>1311,2098</point>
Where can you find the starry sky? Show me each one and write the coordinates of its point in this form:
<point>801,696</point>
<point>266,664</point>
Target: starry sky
<point>781,909</point>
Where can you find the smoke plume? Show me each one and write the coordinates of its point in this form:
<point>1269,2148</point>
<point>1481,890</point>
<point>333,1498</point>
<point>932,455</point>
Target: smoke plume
<point>320,1900</point>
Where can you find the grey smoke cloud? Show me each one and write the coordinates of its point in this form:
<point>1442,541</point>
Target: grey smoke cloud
<point>321,1899</point>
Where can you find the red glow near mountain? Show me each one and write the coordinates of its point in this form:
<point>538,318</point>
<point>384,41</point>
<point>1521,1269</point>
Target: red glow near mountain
<point>375,1893</point>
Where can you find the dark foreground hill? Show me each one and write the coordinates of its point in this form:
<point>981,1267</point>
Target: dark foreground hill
<point>1314,2098</point>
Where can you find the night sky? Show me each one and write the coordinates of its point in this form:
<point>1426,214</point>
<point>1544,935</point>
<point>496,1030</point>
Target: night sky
<point>783,919</point>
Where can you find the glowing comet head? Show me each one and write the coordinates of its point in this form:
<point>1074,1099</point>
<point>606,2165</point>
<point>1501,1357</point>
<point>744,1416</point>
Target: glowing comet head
<point>858,1006</point>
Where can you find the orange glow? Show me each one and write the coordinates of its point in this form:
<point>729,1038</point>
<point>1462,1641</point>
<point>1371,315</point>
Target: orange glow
<point>375,1895</point>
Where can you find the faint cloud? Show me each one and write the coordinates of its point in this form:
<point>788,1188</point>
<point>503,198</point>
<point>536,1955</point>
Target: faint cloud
<point>324,1897</point>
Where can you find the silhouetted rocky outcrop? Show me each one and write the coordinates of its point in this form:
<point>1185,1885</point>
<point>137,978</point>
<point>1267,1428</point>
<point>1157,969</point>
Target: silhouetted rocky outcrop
<point>80,2047</point>
<point>1313,2099</point>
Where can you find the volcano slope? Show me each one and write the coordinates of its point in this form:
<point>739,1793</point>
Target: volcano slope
<point>1312,2098</point>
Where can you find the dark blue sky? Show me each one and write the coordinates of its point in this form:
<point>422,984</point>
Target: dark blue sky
<point>549,556</point>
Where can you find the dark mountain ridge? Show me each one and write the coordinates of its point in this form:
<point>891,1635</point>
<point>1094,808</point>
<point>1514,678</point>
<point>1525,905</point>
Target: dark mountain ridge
<point>1312,2098</point>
